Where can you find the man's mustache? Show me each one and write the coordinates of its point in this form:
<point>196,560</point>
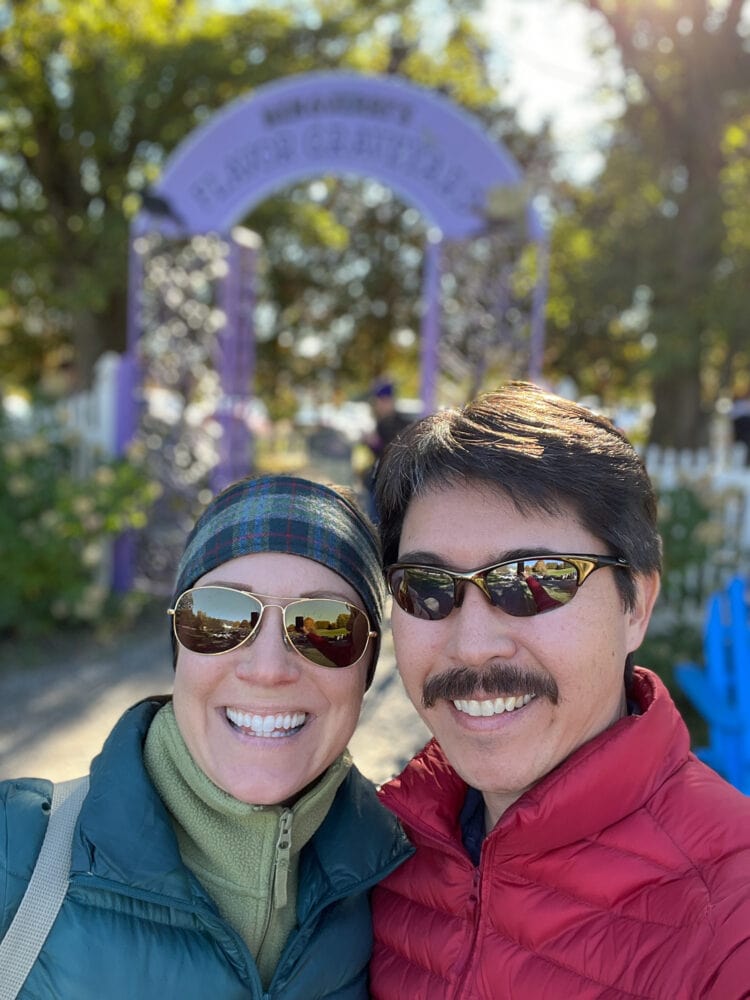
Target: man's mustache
<point>496,680</point>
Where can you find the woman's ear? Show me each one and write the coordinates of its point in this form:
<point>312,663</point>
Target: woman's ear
<point>647,586</point>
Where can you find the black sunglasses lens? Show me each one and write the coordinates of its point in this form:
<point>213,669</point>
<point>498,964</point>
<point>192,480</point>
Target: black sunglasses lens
<point>422,592</point>
<point>531,586</point>
<point>326,632</point>
<point>215,619</point>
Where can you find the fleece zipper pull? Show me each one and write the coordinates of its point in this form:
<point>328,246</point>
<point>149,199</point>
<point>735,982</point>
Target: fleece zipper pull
<point>281,865</point>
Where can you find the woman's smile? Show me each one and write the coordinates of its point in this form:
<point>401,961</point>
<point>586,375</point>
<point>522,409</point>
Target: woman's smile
<point>268,725</point>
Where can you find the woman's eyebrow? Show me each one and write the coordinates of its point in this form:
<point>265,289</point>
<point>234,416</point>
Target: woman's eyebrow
<point>312,594</point>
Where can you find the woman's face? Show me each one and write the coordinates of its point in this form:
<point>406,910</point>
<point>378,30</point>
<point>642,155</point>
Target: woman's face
<point>314,709</point>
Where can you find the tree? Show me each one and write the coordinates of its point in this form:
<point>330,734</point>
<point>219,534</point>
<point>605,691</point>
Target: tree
<point>96,94</point>
<point>99,92</point>
<point>657,238</point>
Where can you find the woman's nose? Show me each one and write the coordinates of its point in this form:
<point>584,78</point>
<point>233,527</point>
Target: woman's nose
<point>268,658</point>
<point>478,632</point>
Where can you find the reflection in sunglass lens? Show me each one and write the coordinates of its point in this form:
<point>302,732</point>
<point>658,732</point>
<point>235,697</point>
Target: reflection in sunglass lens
<point>326,632</point>
<point>215,619</point>
<point>423,592</point>
<point>329,633</point>
<point>539,585</point>
<point>509,590</point>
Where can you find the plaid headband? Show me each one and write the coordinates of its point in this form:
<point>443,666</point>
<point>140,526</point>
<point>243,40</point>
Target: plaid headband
<point>291,515</point>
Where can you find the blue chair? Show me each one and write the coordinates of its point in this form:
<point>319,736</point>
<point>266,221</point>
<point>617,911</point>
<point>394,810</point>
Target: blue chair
<point>720,690</point>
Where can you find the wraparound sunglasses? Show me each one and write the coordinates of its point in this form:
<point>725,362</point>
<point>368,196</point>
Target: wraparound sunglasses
<point>522,587</point>
<point>212,620</point>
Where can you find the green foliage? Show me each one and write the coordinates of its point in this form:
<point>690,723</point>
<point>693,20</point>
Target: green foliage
<point>649,269</point>
<point>98,94</point>
<point>95,96</point>
<point>54,530</point>
<point>700,542</point>
<point>698,559</point>
<point>682,513</point>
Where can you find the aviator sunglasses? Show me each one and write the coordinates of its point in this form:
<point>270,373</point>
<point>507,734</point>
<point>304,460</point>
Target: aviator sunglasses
<point>212,620</point>
<point>522,587</point>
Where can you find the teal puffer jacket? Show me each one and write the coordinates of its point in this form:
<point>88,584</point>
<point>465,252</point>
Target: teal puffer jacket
<point>137,923</point>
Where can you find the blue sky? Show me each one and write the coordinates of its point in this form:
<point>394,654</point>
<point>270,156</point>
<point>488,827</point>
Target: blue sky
<point>543,65</point>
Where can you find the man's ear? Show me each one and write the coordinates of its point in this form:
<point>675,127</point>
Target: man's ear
<point>647,586</point>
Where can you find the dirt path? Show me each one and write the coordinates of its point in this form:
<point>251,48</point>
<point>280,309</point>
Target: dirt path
<point>58,705</point>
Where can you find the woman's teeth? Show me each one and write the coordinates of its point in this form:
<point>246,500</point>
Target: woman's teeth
<point>274,726</point>
<point>495,706</point>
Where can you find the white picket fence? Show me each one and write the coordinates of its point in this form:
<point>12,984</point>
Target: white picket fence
<point>87,419</point>
<point>723,473</point>
<point>721,478</point>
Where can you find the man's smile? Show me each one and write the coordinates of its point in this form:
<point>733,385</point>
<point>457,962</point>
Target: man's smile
<point>494,706</point>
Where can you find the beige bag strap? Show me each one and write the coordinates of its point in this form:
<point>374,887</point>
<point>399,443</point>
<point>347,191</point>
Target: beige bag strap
<point>45,892</point>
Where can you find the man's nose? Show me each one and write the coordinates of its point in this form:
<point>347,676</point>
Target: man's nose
<point>479,632</point>
<point>268,658</point>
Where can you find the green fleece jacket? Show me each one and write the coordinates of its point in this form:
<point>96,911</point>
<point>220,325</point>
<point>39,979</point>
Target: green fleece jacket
<point>246,856</point>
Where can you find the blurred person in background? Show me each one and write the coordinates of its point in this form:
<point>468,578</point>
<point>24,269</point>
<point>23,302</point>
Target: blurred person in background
<point>389,422</point>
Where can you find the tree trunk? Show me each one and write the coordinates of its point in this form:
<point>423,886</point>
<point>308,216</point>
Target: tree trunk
<point>679,418</point>
<point>93,334</point>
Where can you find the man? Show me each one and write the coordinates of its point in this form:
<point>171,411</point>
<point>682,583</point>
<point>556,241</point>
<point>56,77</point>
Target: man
<point>568,844</point>
<point>389,423</point>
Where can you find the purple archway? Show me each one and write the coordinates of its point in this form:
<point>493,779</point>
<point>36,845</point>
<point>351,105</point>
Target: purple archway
<point>433,154</point>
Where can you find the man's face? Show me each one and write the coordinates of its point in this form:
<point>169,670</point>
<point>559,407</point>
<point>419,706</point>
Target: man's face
<point>571,658</point>
<point>383,405</point>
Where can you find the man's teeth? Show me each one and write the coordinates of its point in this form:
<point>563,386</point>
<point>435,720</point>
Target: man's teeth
<point>267,725</point>
<point>493,706</point>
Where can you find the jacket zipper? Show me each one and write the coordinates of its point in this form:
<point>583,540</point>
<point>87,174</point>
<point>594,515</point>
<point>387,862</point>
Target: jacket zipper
<point>474,934</point>
<point>448,845</point>
<point>281,864</point>
<point>280,871</point>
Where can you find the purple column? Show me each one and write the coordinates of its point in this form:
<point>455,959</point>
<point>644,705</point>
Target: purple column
<point>430,321</point>
<point>225,351</point>
<point>235,360</point>
<point>248,243</point>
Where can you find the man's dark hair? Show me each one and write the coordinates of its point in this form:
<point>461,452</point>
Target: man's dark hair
<point>546,454</point>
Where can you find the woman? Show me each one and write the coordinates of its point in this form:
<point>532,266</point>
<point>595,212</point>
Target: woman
<point>226,845</point>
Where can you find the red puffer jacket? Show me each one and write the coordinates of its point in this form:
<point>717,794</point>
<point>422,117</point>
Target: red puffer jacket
<point>624,873</point>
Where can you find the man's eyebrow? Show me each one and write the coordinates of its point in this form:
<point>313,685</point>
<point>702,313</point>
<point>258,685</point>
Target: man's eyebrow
<point>422,557</point>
